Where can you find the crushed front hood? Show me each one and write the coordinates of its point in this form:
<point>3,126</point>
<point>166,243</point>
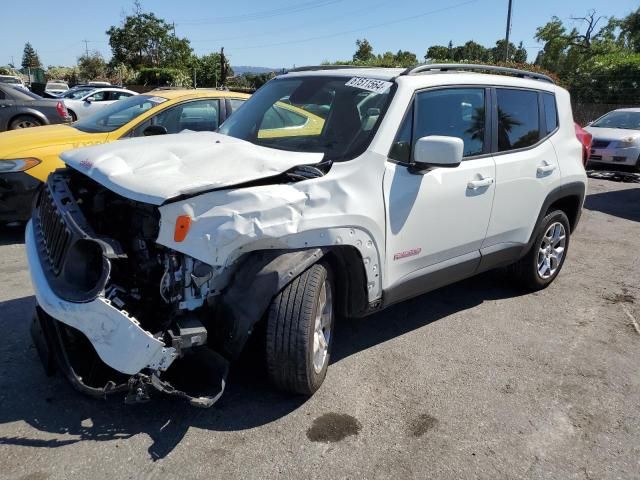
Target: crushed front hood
<point>156,169</point>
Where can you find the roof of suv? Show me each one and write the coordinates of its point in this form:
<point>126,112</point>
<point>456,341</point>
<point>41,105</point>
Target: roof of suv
<point>433,71</point>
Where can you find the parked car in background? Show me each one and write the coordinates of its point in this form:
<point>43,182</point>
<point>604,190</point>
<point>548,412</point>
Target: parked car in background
<point>27,157</point>
<point>22,109</point>
<point>585,139</point>
<point>13,81</point>
<point>616,138</point>
<point>94,100</point>
<point>56,87</point>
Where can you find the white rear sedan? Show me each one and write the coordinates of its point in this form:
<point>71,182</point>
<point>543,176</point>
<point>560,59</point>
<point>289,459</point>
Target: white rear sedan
<point>616,138</point>
<point>92,101</point>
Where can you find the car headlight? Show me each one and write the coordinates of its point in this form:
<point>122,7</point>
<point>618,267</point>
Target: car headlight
<point>17,164</point>
<point>628,142</point>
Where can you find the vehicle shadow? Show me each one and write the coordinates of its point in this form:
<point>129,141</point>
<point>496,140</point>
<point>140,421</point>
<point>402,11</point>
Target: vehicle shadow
<point>11,235</point>
<point>620,203</point>
<point>50,405</point>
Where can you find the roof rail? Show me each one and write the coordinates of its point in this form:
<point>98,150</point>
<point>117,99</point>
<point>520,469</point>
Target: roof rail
<point>443,67</point>
<point>328,67</point>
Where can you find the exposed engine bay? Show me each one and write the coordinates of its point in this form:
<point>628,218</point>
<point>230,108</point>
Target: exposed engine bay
<point>166,292</point>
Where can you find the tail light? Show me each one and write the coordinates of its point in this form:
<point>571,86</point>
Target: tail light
<point>62,110</point>
<point>586,139</point>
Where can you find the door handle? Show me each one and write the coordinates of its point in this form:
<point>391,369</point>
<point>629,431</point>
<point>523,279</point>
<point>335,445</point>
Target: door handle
<point>483,182</point>
<point>546,167</point>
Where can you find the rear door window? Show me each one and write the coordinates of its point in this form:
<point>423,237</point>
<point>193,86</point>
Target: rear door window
<point>518,119</point>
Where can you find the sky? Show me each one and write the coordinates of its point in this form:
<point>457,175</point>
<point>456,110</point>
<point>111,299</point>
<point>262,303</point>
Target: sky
<point>287,33</point>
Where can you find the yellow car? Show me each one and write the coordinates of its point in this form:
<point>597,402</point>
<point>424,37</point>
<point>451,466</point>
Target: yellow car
<point>286,120</point>
<point>27,156</point>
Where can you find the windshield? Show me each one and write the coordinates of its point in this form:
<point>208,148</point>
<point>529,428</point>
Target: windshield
<point>621,119</point>
<point>337,116</point>
<point>11,80</point>
<point>118,114</point>
<point>76,93</point>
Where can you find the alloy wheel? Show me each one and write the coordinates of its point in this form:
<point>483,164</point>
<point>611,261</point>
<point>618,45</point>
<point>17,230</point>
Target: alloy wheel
<point>551,250</point>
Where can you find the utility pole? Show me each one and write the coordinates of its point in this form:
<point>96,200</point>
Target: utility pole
<point>223,69</point>
<point>86,47</point>
<point>506,46</point>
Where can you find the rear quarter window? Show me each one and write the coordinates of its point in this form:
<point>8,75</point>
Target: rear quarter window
<point>550,112</point>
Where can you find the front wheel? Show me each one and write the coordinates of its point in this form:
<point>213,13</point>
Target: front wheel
<point>299,332</point>
<point>542,264</point>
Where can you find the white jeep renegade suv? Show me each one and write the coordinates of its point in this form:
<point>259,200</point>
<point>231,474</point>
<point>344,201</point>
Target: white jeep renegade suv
<point>331,192</point>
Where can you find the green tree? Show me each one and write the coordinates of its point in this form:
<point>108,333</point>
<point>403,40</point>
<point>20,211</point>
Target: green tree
<point>208,70</point>
<point>497,53</point>
<point>438,52</point>
<point>30,58</point>
<point>520,55</point>
<point>630,31</point>
<point>68,74</point>
<point>472,51</point>
<point>92,66</point>
<point>404,58</point>
<point>144,40</point>
<point>364,51</point>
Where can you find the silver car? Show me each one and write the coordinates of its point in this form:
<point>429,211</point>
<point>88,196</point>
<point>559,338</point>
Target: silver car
<point>22,109</point>
<point>616,138</point>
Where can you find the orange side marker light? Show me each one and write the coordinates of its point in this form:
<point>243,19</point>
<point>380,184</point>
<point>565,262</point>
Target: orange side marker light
<point>183,223</point>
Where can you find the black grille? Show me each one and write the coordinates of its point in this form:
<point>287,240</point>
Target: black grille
<point>600,143</point>
<point>55,235</point>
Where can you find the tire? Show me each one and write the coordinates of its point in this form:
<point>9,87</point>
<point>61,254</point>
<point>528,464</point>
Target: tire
<point>24,121</point>
<point>543,262</point>
<point>72,114</point>
<point>297,353</point>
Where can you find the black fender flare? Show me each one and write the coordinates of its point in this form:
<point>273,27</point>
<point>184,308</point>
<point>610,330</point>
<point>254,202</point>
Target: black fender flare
<point>573,189</point>
<point>257,279</point>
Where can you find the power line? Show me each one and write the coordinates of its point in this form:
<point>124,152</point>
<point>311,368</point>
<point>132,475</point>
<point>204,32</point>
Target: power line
<point>357,30</point>
<point>289,30</point>
<point>262,14</point>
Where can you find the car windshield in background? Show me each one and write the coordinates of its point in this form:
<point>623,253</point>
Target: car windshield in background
<point>76,93</point>
<point>337,116</point>
<point>118,114</point>
<point>624,120</point>
<point>10,80</point>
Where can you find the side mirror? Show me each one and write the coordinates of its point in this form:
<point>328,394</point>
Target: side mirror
<point>90,99</point>
<point>436,151</point>
<point>152,130</point>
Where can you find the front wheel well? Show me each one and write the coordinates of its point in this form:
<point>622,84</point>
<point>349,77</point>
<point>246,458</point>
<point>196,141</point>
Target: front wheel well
<point>350,280</point>
<point>570,205</point>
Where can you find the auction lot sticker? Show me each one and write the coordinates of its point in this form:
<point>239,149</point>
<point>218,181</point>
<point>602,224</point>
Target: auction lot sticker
<point>370,84</point>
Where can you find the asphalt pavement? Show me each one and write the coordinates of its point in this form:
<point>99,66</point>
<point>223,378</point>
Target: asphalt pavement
<point>475,380</point>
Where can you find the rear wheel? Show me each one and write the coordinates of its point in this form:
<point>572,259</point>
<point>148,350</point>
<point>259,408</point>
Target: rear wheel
<point>542,264</point>
<point>73,115</point>
<point>299,332</point>
<point>24,121</point>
